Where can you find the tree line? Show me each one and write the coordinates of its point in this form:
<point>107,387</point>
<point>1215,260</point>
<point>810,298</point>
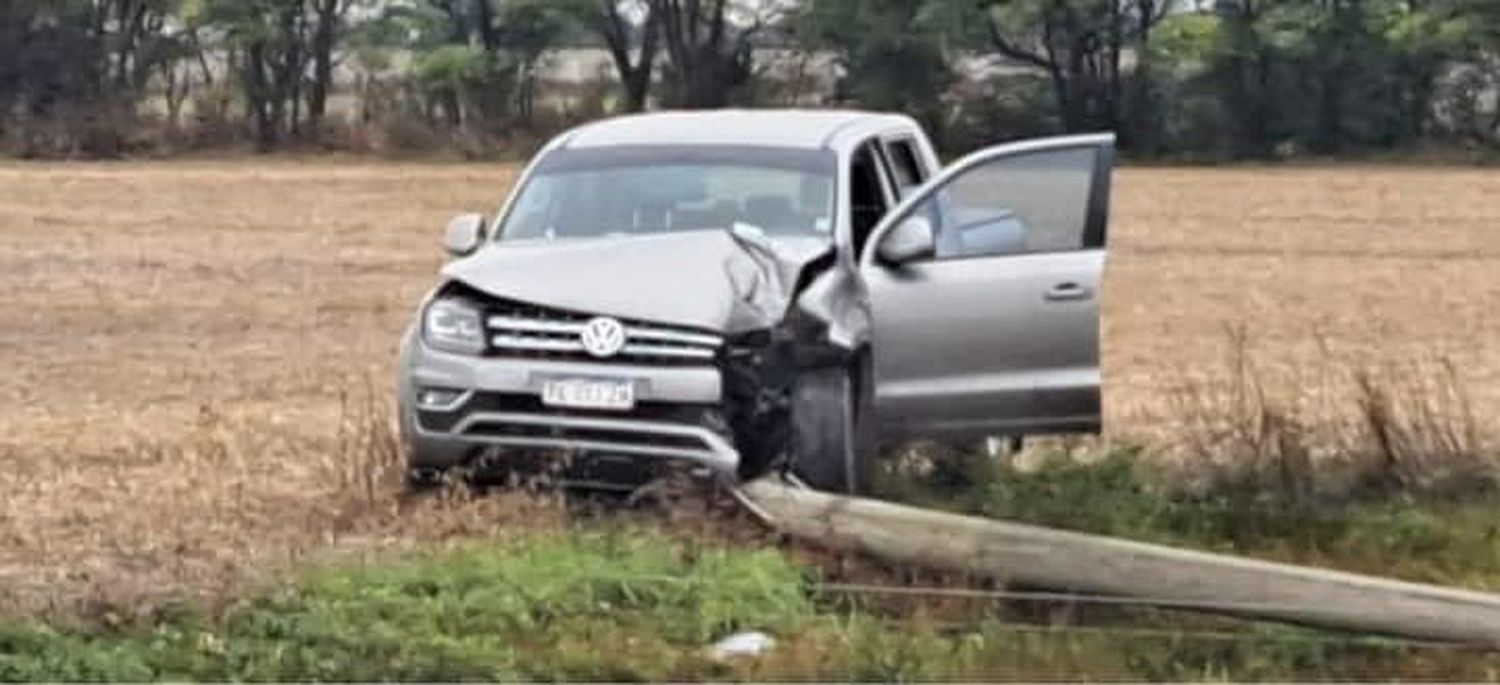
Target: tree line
<point>1209,78</point>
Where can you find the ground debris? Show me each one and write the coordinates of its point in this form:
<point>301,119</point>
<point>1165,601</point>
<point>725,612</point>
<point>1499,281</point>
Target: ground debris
<point>740,645</point>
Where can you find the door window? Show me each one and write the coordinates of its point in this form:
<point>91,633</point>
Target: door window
<point>1018,204</point>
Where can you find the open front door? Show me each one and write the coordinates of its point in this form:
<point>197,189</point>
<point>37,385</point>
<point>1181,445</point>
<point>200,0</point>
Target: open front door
<point>984,293</point>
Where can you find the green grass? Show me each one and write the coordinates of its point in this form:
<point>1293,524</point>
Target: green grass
<point>621,606</point>
<point>624,603</point>
<point>590,606</point>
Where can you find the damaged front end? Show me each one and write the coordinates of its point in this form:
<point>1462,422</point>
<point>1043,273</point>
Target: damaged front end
<point>814,321</point>
<point>760,373</point>
<point>715,330</point>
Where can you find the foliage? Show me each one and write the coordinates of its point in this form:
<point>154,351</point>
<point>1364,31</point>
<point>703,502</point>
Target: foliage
<point>1236,78</point>
<point>70,69</point>
<point>891,52</point>
<point>1327,77</point>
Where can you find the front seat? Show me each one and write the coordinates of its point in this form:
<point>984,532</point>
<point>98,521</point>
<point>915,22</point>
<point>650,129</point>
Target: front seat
<point>773,213</point>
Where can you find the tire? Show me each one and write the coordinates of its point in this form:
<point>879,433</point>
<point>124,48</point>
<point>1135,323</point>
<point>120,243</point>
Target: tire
<point>828,443</point>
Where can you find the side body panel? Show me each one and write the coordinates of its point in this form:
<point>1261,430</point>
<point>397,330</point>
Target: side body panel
<point>972,346</point>
<point>997,331</point>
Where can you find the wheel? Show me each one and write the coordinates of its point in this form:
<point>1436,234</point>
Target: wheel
<point>828,437</point>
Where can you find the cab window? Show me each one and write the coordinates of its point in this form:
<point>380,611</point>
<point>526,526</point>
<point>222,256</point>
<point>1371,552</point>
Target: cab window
<point>907,171</point>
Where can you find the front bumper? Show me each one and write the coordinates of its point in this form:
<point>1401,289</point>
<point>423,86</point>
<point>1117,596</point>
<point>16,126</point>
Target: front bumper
<point>499,404</point>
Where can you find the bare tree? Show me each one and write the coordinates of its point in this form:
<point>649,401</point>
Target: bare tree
<point>624,35</point>
<point>328,18</point>
<point>1079,43</point>
<point>708,50</point>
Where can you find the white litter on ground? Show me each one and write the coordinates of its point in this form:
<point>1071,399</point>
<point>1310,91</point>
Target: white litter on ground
<point>753,643</point>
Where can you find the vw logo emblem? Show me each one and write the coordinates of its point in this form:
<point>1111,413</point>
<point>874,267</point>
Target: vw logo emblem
<point>603,337</point>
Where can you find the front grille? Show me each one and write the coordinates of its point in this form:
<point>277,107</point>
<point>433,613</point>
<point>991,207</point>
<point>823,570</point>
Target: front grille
<point>528,331</point>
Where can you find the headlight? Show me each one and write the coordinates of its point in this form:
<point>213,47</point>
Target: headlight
<point>453,326</point>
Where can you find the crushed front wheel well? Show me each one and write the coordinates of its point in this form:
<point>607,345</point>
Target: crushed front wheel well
<point>760,383</point>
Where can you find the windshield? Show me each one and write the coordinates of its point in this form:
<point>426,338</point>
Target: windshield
<point>650,190</point>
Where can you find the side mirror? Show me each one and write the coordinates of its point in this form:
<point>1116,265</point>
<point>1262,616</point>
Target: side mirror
<point>464,235</point>
<point>909,241</point>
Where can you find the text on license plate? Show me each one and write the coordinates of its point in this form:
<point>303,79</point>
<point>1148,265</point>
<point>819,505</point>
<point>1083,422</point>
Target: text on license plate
<point>589,394</point>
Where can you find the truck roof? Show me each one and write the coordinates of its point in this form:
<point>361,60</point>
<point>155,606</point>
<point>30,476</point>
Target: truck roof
<point>784,128</point>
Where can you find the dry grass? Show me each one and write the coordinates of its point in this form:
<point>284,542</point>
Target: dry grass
<point>1337,430</point>
<point>199,352</point>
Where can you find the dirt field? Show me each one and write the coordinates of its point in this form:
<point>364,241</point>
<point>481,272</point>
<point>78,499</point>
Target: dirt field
<point>184,341</point>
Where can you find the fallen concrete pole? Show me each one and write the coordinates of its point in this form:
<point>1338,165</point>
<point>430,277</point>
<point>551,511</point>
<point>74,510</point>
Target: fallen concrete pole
<point>1076,562</point>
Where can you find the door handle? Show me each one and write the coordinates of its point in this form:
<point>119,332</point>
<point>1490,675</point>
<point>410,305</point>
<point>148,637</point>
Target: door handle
<point>1068,292</point>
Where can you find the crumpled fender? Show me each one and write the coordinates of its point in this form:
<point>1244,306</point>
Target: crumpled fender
<point>764,290</point>
<point>833,297</point>
<point>836,299</point>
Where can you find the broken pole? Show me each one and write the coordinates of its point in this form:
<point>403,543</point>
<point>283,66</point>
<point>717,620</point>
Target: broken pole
<point>1076,562</point>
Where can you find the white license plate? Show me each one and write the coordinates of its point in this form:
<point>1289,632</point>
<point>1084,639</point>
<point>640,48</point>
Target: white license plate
<point>589,394</point>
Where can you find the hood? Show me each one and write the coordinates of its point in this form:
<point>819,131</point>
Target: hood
<point>724,281</point>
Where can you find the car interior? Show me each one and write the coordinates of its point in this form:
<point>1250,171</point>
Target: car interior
<point>588,209</point>
<point>867,199</point>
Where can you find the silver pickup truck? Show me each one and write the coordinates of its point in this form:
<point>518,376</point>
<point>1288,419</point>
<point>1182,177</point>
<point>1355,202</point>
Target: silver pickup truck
<point>740,291</point>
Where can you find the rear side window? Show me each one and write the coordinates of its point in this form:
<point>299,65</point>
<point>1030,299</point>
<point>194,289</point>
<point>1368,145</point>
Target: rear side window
<point>905,165</point>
